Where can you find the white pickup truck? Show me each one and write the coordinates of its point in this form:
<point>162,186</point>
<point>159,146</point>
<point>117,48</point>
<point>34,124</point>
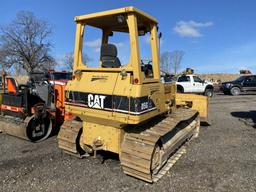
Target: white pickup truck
<point>193,84</point>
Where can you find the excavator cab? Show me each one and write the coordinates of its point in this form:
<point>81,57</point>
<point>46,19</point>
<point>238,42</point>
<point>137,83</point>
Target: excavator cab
<point>123,107</point>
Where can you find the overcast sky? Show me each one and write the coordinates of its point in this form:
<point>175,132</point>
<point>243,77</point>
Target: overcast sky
<point>217,36</point>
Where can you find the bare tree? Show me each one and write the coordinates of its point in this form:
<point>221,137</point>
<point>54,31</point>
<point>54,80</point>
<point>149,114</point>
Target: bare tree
<point>2,59</point>
<point>25,44</point>
<point>68,60</point>
<point>176,57</point>
<point>170,61</point>
<point>165,62</point>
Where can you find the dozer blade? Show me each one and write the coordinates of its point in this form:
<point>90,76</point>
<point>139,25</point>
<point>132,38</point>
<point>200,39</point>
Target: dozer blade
<point>196,102</point>
<point>25,129</point>
<point>148,155</point>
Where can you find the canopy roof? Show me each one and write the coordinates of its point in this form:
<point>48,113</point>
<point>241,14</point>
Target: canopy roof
<point>109,19</point>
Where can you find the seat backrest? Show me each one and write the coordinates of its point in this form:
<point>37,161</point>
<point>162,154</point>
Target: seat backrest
<point>148,70</point>
<point>108,56</point>
<point>12,85</point>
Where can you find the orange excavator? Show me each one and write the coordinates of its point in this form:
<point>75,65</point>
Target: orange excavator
<point>34,110</point>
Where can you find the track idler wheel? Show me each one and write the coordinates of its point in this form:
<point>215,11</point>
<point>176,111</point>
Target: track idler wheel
<point>156,160</point>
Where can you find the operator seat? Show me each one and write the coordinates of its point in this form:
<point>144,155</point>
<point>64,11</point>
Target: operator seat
<point>108,56</point>
<point>148,70</point>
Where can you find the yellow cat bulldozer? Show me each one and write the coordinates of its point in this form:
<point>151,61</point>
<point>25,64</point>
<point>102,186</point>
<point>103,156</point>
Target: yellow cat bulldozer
<point>125,108</point>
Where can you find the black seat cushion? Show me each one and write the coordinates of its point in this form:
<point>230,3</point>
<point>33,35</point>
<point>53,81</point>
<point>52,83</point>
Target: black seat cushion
<point>109,56</point>
<point>148,70</point>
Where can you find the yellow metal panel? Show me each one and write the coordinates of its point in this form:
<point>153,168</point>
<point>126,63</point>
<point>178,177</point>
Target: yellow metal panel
<point>110,137</point>
<point>134,47</point>
<point>154,91</point>
<point>114,12</point>
<point>170,95</point>
<point>78,47</point>
<point>155,52</point>
<point>94,82</point>
<point>199,103</point>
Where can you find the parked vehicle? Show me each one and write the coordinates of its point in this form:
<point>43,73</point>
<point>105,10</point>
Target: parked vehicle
<point>126,109</point>
<point>241,84</point>
<point>193,84</point>
<point>34,110</point>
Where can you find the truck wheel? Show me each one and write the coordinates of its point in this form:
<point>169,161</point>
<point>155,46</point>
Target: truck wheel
<point>235,91</point>
<point>208,92</point>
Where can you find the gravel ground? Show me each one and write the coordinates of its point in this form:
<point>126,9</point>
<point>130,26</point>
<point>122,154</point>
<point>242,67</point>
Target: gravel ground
<point>223,158</point>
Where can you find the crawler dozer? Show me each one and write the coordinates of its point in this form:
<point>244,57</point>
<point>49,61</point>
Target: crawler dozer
<point>124,108</point>
<point>34,110</point>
